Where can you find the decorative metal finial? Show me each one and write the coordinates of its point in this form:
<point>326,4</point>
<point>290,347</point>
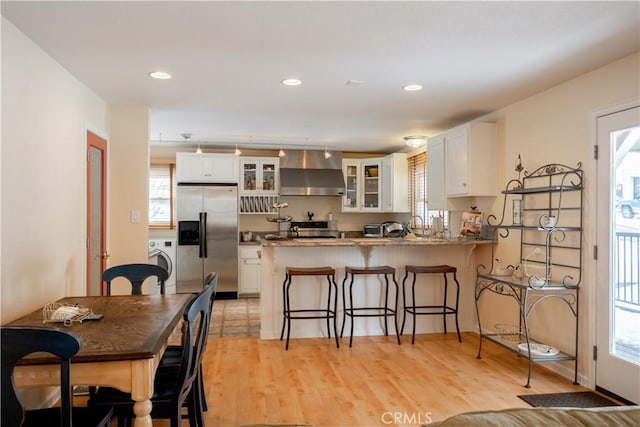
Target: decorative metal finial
<point>519,168</point>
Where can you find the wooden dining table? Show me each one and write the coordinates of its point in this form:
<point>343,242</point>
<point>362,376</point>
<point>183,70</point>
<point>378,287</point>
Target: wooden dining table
<point>121,350</point>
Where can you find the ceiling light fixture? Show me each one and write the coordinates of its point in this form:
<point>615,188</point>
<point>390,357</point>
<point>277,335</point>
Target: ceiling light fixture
<point>237,152</point>
<point>186,136</point>
<point>415,141</point>
<point>160,75</point>
<point>327,154</point>
<point>412,87</point>
<point>292,82</point>
<point>281,152</point>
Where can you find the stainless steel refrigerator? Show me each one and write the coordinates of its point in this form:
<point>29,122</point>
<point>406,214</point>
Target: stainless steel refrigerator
<point>207,237</point>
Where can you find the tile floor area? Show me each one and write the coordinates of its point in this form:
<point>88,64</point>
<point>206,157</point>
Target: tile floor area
<point>235,318</point>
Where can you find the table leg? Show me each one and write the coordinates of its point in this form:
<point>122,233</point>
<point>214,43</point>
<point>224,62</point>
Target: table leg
<point>142,374</point>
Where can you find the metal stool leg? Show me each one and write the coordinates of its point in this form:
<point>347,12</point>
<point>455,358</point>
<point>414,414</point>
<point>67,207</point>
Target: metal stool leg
<point>344,305</point>
<point>395,309</point>
<point>444,304</point>
<point>335,310</point>
<point>404,302</point>
<point>457,300</point>
<point>284,306</point>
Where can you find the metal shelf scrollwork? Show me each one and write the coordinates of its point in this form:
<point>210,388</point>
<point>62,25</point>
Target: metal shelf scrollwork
<point>550,240</point>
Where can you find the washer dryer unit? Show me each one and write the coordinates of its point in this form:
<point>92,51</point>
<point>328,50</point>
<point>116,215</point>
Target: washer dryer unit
<point>167,259</point>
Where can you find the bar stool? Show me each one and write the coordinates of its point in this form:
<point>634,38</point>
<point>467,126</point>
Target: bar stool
<point>309,313</point>
<point>418,310</point>
<point>385,311</point>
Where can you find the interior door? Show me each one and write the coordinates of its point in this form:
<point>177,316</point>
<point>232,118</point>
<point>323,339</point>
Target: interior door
<point>618,240</point>
<point>96,208</point>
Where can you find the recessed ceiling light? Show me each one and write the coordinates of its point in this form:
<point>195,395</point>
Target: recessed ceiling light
<point>412,87</point>
<point>292,82</point>
<point>160,75</point>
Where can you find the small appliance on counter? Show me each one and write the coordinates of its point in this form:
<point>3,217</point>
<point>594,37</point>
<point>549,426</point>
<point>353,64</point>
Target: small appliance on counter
<point>373,230</point>
<point>313,229</point>
<point>394,229</point>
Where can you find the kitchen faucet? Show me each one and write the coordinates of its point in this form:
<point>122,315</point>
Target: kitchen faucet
<point>414,222</point>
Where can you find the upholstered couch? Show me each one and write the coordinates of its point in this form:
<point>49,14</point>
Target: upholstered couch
<point>526,417</point>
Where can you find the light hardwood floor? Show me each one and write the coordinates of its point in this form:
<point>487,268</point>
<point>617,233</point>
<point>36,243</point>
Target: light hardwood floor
<point>375,382</point>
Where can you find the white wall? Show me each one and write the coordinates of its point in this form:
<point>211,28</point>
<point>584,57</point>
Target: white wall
<point>45,115</point>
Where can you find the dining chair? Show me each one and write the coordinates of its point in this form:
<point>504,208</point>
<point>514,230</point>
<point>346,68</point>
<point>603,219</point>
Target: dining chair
<point>136,274</point>
<point>18,342</point>
<point>171,358</point>
<point>175,388</point>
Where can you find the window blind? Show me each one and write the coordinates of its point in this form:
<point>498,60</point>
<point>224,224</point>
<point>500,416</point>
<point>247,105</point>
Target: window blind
<point>418,197</point>
<point>418,184</point>
<point>161,196</point>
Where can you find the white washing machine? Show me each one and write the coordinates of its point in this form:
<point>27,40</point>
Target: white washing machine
<point>167,259</point>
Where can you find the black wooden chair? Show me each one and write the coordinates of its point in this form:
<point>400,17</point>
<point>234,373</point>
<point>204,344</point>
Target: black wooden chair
<point>18,342</point>
<point>171,358</point>
<point>136,274</point>
<point>174,388</point>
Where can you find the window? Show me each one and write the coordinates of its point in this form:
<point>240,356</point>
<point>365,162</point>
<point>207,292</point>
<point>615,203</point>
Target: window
<point>161,196</point>
<point>418,198</point>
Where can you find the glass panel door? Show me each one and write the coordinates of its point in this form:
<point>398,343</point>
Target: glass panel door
<point>618,265</point>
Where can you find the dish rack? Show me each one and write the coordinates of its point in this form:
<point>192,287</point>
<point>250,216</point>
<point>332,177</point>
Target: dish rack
<point>65,313</point>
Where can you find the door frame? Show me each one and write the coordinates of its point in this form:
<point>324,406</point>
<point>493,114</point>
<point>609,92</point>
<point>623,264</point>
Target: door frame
<point>591,240</point>
<point>95,139</point>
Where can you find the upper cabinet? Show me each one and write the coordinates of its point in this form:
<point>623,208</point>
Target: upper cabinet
<point>436,193</point>
<point>371,185</point>
<point>362,185</point>
<point>259,175</point>
<point>395,183</point>
<point>461,162</point>
<point>220,168</point>
<point>351,199</point>
<point>470,160</point>
<point>376,184</point>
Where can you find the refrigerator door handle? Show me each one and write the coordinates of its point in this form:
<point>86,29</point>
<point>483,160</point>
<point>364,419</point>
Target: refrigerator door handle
<point>203,235</point>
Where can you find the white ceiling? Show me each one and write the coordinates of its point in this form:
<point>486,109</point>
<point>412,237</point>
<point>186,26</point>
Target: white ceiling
<point>227,59</point>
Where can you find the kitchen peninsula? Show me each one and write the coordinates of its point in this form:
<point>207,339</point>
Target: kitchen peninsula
<point>338,253</point>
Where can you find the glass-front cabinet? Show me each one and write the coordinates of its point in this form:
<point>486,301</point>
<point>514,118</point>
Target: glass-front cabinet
<point>363,185</point>
<point>371,182</point>
<point>259,175</point>
<point>351,198</point>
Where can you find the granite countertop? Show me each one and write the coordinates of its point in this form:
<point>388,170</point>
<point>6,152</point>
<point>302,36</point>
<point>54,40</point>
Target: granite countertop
<point>373,241</point>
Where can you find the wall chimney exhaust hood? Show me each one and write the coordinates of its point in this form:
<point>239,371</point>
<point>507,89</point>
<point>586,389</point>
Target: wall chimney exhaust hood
<point>310,173</point>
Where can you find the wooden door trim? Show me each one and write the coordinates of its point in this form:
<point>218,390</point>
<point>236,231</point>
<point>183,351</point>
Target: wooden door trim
<point>94,140</point>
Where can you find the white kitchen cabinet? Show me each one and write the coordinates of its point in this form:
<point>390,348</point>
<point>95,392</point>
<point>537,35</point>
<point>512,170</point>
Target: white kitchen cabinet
<point>371,185</point>
<point>351,199</point>
<point>250,273</point>
<point>470,160</point>
<point>436,193</point>
<point>363,185</point>
<point>259,175</point>
<point>395,183</point>
<point>220,168</point>
<point>376,184</point>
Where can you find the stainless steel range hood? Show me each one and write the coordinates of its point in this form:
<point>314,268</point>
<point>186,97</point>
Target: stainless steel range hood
<point>309,173</point>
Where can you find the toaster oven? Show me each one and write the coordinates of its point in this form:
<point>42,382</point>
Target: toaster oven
<point>373,230</point>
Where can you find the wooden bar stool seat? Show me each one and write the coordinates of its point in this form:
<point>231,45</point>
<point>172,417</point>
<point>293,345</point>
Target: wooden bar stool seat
<point>429,310</point>
<point>369,311</point>
<point>328,313</point>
